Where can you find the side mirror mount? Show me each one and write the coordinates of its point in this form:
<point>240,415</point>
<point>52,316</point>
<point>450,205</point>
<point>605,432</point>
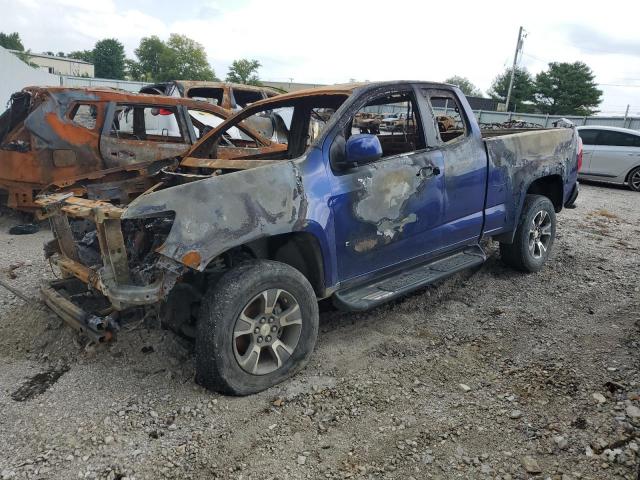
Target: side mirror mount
<point>363,148</point>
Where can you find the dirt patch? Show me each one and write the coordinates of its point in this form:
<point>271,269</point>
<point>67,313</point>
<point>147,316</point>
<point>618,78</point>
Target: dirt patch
<point>605,213</point>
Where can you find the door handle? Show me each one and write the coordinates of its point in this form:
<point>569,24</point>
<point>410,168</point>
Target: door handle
<point>428,171</point>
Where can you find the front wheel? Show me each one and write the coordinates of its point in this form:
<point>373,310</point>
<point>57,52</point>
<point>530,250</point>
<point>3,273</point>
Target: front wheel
<point>534,236</point>
<point>258,326</point>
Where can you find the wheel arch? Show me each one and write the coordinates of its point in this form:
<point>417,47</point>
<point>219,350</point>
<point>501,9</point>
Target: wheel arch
<point>300,250</point>
<point>550,186</point>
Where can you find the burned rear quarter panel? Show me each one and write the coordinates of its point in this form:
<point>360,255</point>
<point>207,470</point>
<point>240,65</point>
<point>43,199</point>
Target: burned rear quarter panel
<point>516,161</point>
<point>51,129</point>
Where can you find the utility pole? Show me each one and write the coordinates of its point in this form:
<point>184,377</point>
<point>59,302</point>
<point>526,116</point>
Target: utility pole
<point>626,115</point>
<point>513,69</point>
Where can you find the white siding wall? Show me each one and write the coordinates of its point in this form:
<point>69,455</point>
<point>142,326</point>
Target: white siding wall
<point>15,75</point>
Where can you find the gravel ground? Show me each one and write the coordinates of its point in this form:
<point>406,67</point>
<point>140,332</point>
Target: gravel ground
<point>491,374</point>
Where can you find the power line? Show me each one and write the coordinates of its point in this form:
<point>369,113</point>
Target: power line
<point>535,58</point>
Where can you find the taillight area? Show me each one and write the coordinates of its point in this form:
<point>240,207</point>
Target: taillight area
<point>579,154</point>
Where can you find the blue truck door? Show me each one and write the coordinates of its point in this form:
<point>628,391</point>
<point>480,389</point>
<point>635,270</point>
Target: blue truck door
<point>388,211</point>
<point>465,167</point>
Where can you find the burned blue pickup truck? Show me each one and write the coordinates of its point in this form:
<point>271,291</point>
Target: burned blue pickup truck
<point>235,246</point>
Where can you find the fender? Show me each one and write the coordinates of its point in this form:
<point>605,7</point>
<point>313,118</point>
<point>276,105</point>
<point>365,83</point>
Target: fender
<point>221,212</point>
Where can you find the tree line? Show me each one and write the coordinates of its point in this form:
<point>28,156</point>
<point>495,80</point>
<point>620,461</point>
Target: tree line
<point>156,60</point>
<point>562,89</point>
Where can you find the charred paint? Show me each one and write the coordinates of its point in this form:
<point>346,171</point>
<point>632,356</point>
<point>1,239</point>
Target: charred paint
<point>517,160</point>
<point>386,192</point>
<point>216,213</point>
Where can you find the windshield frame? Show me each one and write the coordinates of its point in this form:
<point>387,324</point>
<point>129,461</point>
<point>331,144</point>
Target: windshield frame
<point>236,120</point>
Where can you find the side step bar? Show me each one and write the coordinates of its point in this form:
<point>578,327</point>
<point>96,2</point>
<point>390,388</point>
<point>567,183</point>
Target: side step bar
<point>364,297</point>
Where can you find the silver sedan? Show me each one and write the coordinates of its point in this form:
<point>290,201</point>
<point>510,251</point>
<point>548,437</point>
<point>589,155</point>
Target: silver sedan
<point>611,154</point>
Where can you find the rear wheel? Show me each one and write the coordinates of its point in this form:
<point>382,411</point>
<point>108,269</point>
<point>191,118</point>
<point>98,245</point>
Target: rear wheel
<point>534,236</point>
<point>634,179</point>
<point>257,327</point>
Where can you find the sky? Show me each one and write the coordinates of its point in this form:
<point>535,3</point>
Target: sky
<point>334,41</point>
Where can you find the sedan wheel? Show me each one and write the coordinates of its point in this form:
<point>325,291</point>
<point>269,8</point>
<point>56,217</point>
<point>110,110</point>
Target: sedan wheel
<point>634,180</point>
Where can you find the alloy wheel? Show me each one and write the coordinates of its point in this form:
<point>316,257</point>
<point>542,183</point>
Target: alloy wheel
<point>635,180</point>
<point>267,331</point>
<point>539,234</point>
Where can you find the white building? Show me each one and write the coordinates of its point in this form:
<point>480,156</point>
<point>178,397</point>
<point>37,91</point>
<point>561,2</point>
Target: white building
<point>61,65</point>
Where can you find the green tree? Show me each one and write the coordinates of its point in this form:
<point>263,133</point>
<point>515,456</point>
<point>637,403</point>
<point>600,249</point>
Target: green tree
<point>185,59</point>
<point>521,94</point>
<point>11,41</point>
<point>60,54</point>
<point>567,89</point>
<point>84,55</point>
<point>244,71</point>
<point>108,58</point>
<point>152,56</point>
<point>178,58</point>
<point>133,70</point>
<point>465,85</point>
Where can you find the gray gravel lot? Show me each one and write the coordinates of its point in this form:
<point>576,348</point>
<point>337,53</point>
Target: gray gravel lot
<point>491,374</point>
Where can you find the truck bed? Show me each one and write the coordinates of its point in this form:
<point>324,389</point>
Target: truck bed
<point>551,145</point>
<point>498,132</point>
<point>517,160</point>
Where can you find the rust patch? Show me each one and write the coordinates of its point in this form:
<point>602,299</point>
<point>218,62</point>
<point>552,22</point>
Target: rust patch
<point>192,259</point>
<point>64,128</point>
<point>365,245</point>
<point>48,148</point>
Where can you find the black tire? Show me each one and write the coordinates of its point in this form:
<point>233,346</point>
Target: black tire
<point>518,254</point>
<point>216,365</point>
<point>634,179</point>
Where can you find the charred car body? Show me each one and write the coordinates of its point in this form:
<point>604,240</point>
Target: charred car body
<point>238,243</point>
<point>368,122</point>
<point>230,96</point>
<point>103,142</point>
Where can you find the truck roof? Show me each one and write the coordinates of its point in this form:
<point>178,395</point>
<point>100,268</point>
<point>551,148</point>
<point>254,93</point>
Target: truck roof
<point>348,89</point>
